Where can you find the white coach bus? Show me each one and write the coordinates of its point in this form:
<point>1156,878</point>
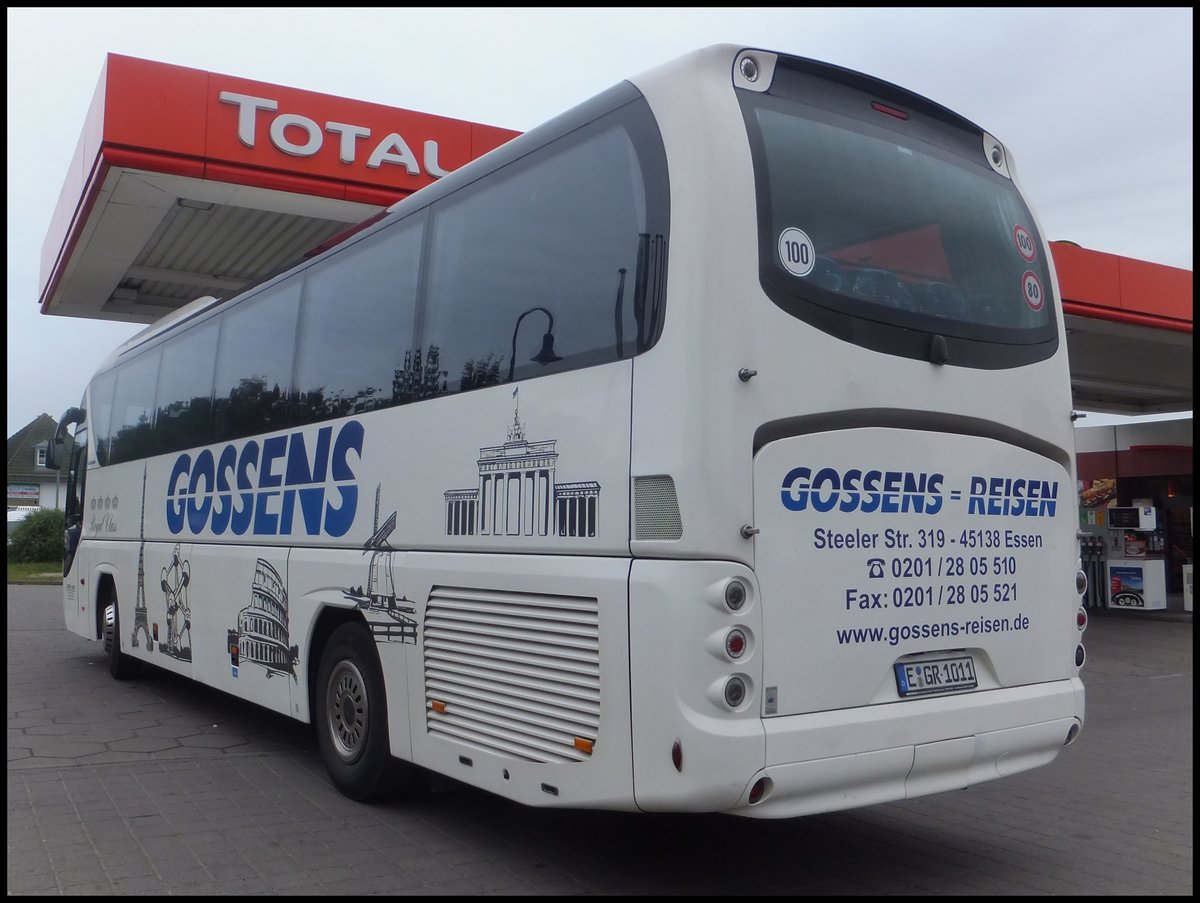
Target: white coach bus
<point>707,448</point>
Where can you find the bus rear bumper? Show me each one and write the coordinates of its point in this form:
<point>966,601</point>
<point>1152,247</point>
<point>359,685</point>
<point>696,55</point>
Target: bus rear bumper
<point>951,743</point>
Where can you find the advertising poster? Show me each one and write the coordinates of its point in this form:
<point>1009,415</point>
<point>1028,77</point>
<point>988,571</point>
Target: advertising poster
<point>1127,586</point>
<point>1094,497</point>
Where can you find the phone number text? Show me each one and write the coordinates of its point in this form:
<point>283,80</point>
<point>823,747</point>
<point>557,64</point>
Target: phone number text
<point>931,595</point>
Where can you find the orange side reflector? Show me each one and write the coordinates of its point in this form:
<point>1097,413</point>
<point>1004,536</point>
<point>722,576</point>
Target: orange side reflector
<point>438,705</point>
<point>584,745</point>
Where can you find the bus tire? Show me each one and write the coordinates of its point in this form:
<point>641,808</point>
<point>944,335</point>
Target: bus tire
<point>351,717</point>
<point>120,666</point>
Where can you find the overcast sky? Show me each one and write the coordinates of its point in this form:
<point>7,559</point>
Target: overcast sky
<point>1095,105</point>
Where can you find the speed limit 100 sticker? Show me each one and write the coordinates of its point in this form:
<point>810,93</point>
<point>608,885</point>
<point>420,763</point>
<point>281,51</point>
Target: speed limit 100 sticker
<point>1031,286</point>
<point>1024,242</point>
<point>796,252</point>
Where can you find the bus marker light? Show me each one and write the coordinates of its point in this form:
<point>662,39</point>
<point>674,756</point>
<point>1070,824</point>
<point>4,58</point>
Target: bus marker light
<point>438,706</point>
<point>891,111</point>
<point>584,745</point>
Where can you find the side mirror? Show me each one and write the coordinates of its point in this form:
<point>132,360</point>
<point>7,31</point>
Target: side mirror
<point>54,454</point>
<point>54,458</point>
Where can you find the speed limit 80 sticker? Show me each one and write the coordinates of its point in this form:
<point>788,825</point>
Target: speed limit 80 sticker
<point>1031,286</point>
<point>796,252</point>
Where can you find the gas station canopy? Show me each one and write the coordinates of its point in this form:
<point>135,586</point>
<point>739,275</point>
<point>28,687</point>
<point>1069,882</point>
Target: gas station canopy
<point>189,183</point>
<point>1129,331</point>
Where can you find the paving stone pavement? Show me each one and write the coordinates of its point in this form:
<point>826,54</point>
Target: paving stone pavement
<point>159,786</point>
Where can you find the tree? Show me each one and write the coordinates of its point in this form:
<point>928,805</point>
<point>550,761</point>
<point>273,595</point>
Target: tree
<point>479,373</point>
<point>38,538</point>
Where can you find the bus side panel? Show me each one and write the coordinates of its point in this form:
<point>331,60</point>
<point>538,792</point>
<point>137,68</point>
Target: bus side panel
<point>240,630</point>
<point>146,614</point>
<point>542,466</point>
<point>680,666</point>
<point>363,582</point>
<point>522,684</point>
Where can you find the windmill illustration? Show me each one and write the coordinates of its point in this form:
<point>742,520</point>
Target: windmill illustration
<point>379,595</point>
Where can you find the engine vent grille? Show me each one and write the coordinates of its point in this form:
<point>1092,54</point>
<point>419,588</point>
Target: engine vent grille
<point>516,674</point>
<point>656,509</point>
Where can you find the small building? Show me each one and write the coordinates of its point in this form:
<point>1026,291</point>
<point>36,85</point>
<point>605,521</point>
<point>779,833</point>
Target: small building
<point>30,482</point>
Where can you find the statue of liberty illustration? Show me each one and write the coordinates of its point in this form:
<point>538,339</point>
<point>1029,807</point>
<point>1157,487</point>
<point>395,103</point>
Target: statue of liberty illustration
<point>379,595</point>
<point>140,620</point>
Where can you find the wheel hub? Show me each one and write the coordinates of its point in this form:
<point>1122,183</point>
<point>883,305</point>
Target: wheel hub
<point>347,710</point>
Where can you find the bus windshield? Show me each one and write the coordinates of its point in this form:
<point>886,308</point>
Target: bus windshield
<point>893,216</point>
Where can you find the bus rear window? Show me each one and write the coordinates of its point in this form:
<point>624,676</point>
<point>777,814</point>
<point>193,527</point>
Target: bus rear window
<point>874,227</point>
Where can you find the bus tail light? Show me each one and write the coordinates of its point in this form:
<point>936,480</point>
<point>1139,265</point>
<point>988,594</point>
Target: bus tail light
<point>1081,618</point>
<point>735,594</point>
<point>735,692</point>
<point>735,643</point>
<point>731,692</point>
<point>1081,582</point>
<point>1080,656</point>
<point>677,755</point>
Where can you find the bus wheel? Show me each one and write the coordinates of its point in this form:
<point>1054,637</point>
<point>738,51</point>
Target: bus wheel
<point>120,666</point>
<point>350,708</point>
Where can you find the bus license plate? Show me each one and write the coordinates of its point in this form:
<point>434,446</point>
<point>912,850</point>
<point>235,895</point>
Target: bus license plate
<point>936,675</point>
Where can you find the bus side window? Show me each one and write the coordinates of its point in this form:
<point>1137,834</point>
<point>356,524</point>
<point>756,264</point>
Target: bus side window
<point>132,431</point>
<point>76,452</point>
<point>355,353</point>
<point>184,398</point>
<point>536,270</point>
<point>100,405</point>
<point>254,362</point>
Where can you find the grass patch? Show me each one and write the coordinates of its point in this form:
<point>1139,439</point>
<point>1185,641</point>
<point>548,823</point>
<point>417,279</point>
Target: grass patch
<point>35,572</point>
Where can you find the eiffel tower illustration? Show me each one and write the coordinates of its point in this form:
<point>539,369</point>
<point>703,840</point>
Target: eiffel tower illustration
<point>140,621</point>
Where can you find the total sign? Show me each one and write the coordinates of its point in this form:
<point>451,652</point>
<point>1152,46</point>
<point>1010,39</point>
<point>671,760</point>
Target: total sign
<point>302,136</point>
<point>205,125</point>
